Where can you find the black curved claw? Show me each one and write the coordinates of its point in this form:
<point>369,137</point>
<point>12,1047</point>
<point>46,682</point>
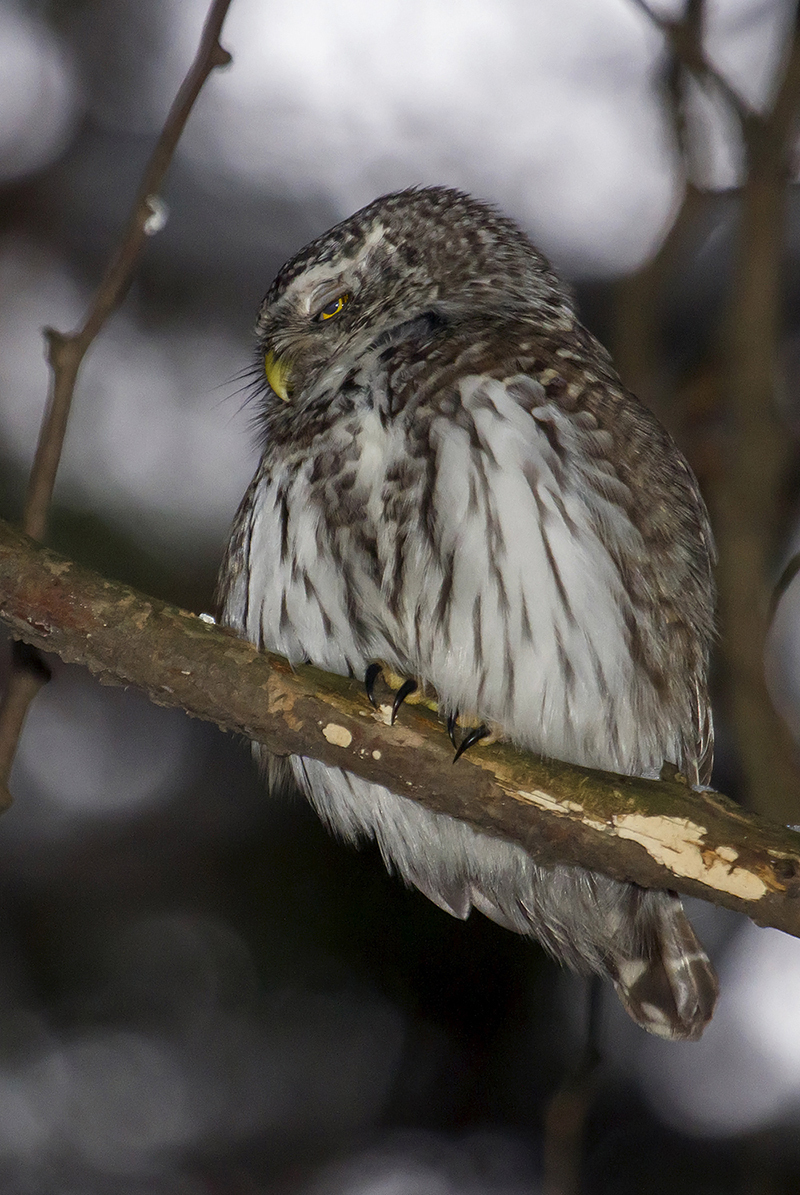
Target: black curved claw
<point>370,676</point>
<point>470,739</point>
<point>452,720</point>
<point>407,687</point>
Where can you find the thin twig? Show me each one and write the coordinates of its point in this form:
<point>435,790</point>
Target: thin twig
<point>788,574</point>
<point>659,833</point>
<point>30,673</point>
<point>67,350</point>
<point>568,1110</point>
<point>683,37</point>
<point>636,349</point>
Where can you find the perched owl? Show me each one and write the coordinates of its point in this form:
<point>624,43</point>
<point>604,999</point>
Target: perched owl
<point>454,482</point>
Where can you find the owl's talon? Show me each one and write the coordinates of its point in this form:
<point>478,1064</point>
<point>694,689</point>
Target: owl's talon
<point>370,676</point>
<point>452,722</point>
<point>472,737</point>
<point>405,690</point>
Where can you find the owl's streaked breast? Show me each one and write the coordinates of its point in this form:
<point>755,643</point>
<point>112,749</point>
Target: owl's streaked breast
<point>315,547</point>
<point>490,576</point>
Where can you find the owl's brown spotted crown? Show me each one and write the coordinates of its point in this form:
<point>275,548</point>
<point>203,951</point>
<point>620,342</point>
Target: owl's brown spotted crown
<point>440,237</point>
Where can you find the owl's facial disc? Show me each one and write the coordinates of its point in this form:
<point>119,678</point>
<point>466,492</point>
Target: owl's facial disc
<point>305,333</point>
<point>289,357</point>
<point>332,311</point>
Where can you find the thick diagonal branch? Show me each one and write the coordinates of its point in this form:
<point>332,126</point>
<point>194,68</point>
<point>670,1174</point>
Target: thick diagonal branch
<point>658,833</point>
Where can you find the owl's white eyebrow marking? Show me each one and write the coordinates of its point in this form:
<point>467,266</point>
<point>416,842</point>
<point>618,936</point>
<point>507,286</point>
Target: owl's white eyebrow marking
<point>312,285</point>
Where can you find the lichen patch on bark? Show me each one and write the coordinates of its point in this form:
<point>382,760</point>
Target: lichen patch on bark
<point>338,736</point>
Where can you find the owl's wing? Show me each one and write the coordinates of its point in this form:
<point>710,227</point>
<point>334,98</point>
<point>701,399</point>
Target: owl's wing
<point>704,757</point>
<point>546,607</point>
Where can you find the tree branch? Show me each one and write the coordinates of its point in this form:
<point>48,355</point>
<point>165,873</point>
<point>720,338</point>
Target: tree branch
<point>636,349</point>
<point>67,350</point>
<point>685,39</point>
<point>745,492</point>
<point>657,833</point>
<point>745,482</point>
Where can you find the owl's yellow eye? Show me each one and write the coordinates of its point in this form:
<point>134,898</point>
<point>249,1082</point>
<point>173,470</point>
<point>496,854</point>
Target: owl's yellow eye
<point>333,308</point>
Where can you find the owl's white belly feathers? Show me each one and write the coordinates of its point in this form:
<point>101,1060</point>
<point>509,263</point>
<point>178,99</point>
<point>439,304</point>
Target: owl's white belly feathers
<point>511,607</point>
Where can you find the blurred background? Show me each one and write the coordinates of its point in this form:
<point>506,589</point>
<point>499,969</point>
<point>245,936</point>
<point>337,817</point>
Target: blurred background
<point>199,990</point>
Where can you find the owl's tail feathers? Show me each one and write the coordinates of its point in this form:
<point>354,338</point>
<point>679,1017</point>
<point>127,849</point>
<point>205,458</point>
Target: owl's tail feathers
<point>671,988</point>
<point>641,939</point>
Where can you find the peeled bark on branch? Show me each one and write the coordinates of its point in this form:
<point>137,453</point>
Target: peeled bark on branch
<point>660,834</point>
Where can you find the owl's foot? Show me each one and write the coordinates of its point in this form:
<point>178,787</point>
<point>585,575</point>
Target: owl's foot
<point>404,688</point>
<point>472,735</point>
<point>470,739</point>
<point>370,676</point>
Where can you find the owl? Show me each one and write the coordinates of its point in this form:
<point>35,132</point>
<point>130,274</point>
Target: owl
<point>456,487</point>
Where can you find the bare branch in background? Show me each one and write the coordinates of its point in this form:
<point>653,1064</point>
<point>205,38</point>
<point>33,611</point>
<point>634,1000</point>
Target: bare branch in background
<point>567,1113</point>
<point>684,36</point>
<point>790,571</point>
<point>743,476</point>
<point>637,348</point>
<point>745,494</point>
<point>67,350</point>
<point>659,833</point>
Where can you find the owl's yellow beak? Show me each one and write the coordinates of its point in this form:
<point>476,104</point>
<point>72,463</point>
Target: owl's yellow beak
<point>277,372</point>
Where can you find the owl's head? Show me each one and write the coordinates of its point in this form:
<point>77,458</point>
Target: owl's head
<point>425,254</point>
